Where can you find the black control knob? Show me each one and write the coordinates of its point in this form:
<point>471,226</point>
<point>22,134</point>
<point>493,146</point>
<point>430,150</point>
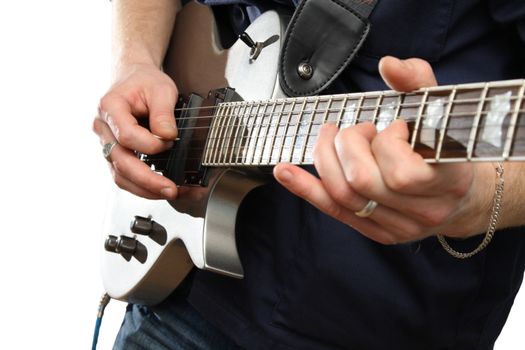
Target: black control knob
<point>141,226</point>
<point>127,247</point>
<point>111,244</point>
<point>147,227</point>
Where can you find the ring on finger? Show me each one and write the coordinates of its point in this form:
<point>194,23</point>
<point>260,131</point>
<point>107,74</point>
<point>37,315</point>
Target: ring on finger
<point>107,148</point>
<point>367,210</point>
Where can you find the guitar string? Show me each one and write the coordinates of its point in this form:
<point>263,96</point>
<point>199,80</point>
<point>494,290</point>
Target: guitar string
<point>356,108</point>
<point>300,154</point>
<point>255,146</point>
<point>300,101</point>
<point>272,129</point>
<point>318,113</point>
<point>360,119</point>
<point>239,152</point>
<point>243,107</point>
<point>327,112</point>
<point>226,141</point>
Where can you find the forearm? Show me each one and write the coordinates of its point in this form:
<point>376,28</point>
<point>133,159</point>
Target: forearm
<point>141,31</point>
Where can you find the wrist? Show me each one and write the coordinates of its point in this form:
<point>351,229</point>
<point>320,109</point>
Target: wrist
<point>495,214</point>
<point>475,209</point>
<point>123,67</point>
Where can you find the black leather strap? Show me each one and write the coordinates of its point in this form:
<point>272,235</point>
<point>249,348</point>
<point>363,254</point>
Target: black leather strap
<point>321,40</point>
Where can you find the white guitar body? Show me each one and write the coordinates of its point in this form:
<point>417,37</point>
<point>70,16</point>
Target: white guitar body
<point>205,236</point>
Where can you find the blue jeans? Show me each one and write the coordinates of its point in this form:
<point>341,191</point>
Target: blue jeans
<point>172,325</point>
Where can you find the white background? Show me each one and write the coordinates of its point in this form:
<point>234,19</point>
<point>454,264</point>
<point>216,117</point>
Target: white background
<point>54,66</point>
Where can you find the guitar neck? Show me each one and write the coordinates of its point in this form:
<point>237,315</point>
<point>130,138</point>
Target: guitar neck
<point>483,122</point>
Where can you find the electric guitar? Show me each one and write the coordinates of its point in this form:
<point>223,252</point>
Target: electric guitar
<point>229,138</point>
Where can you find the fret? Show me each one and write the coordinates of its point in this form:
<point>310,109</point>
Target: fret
<point>263,135</point>
<point>368,107</point>
<point>400,99</point>
<point>285,131</point>
<point>219,129</point>
<point>209,140</point>
<point>334,110</point>
<point>462,118</point>
<point>351,112</point>
<point>222,135</point>
<point>253,137</point>
<point>327,111</point>
<point>312,129</point>
<point>211,150</point>
<point>424,99</point>
<point>275,121</point>
<point>377,108</point>
<point>464,122</point>
<point>358,110</point>
<point>232,124</point>
<point>205,157</point>
<point>304,129</point>
<point>324,108</point>
<point>494,124</point>
<point>247,132</point>
<point>387,111</point>
<point>444,124</point>
<point>237,140</point>
<point>475,124</point>
<point>513,122</point>
<point>517,151</point>
<point>342,112</point>
<point>297,128</point>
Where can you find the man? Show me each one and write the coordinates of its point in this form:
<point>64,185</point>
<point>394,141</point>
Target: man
<point>319,276</point>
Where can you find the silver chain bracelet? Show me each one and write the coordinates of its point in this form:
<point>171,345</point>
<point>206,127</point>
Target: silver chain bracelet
<point>493,222</point>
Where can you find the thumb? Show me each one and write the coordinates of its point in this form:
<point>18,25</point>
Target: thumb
<point>406,75</point>
<point>161,108</point>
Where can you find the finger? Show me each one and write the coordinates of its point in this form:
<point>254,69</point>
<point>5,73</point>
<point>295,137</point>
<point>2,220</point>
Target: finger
<point>405,171</point>
<point>406,75</point>
<point>115,111</point>
<point>306,186</point>
<point>129,186</point>
<point>329,169</point>
<point>131,173</point>
<point>357,161</point>
<point>161,105</point>
<point>392,228</point>
<point>310,188</point>
<point>128,166</point>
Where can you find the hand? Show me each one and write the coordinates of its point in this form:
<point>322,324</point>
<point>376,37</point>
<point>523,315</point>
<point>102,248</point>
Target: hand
<point>139,91</point>
<point>416,199</point>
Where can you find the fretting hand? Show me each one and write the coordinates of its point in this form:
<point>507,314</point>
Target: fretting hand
<point>359,166</point>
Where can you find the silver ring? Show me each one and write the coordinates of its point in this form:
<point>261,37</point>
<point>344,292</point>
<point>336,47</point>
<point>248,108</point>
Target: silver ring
<point>367,210</point>
<point>107,149</point>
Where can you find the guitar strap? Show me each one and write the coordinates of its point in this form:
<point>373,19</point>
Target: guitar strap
<point>321,40</point>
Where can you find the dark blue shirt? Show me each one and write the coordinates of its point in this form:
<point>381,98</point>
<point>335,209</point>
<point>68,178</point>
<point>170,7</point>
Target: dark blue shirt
<point>312,282</point>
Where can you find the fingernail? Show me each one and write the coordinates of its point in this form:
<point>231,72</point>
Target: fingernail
<point>285,176</point>
<point>168,192</point>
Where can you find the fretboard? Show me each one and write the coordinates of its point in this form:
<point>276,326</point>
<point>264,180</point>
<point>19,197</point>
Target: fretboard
<point>469,122</point>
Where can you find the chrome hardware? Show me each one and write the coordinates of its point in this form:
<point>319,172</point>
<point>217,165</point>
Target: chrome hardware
<point>305,70</point>
<point>257,47</point>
